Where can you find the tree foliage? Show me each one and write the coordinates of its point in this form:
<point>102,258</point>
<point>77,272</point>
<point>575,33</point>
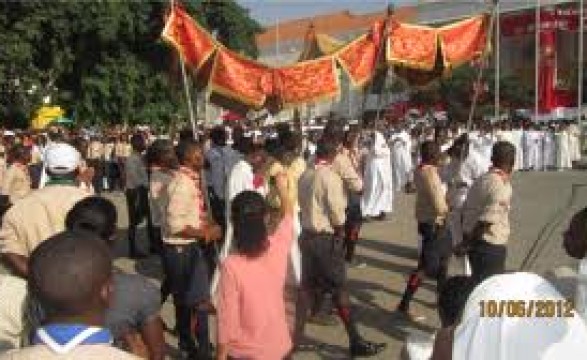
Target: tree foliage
<point>101,60</point>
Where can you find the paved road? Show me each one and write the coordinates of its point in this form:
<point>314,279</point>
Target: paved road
<point>543,204</point>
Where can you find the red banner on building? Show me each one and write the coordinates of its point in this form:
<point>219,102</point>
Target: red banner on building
<point>308,81</point>
<point>192,42</point>
<point>462,42</point>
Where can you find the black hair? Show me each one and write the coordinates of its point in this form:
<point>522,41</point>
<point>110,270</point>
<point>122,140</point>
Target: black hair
<point>503,154</point>
<point>334,132</point>
<point>67,273</point>
<point>247,146</point>
<point>248,213</point>
<point>161,152</point>
<point>460,147</point>
<point>452,298</point>
<point>218,136</point>
<point>184,148</point>
<point>186,134</point>
<point>429,152</point>
<point>137,142</point>
<point>18,152</point>
<point>93,214</point>
<point>326,149</point>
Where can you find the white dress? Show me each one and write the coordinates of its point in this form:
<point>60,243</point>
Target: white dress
<point>548,150</point>
<point>401,159</point>
<point>378,185</point>
<point>563,158</point>
<point>517,137</point>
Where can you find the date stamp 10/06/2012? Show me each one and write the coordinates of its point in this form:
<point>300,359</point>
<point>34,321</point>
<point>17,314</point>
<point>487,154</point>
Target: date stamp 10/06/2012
<point>527,308</point>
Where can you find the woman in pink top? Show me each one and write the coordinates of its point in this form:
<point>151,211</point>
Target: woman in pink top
<point>251,309</point>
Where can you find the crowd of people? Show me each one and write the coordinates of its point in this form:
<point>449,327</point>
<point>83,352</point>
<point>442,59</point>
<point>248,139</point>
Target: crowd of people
<point>248,223</point>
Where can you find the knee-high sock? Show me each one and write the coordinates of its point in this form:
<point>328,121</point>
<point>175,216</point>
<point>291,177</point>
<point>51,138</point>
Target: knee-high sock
<point>412,286</point>
<point>345,314</point>
<point>202,330</point>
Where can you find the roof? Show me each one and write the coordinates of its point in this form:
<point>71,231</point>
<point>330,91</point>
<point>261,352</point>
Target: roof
<point>345,22</point>
<point>332,24</point>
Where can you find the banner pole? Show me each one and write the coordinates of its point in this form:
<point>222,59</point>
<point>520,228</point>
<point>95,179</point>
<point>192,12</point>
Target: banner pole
<point>481,68</point>
<point>537,60</point>
<point>581,63</point>
<point>497,62</point>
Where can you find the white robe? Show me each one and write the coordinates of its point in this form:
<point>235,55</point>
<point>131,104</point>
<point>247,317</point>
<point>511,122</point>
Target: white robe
<point>548,150</point>
<point>575,142</point>
<point>401,156</point>
<point>378,185</point>
<point>241,179</point>
<point>532,150</point>
<point>563,154</point>
<point>517,140</point>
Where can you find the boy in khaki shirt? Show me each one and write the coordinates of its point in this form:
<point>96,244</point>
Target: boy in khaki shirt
<point>323,204</point>
<point>17,181</point>
<point>74,297</point>
<point>486,225</point>
<point>41,214</point>
<point>187,231</point>
<point>431,211</point>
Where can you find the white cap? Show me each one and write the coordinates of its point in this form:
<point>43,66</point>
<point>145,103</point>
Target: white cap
<point>8,133</point>
<point>61,158</point>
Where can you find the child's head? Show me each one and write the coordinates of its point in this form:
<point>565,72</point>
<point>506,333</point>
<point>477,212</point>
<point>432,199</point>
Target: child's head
<point>250,217</point>
<point>453,297</point>
<point>93,214</point>
<point>162,153</point>
<point>575,238</point>
<point>70,276</point>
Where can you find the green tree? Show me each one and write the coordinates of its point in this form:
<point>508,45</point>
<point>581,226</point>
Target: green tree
<point>102,60</point>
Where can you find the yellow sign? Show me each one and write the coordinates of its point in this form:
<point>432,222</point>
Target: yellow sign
<point>45,116</point>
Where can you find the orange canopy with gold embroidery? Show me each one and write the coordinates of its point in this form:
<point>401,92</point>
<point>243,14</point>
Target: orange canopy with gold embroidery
<point>241,79</point>
<point>412,46</point>
<point>192,41</point>
<point>463,41</point>
<point>308,81</point>
<point>359,57</point>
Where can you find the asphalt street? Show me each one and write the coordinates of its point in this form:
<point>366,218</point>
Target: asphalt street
<point>542,206</point>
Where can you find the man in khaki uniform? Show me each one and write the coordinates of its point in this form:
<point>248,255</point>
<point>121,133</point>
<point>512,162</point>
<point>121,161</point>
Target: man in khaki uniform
<point>42,213</point>
<point>17,181</point>
<point>486,224</point>
<point>187,229</point>
<point>74,297</point>
<point>323,204</point>
<point>431,212</point>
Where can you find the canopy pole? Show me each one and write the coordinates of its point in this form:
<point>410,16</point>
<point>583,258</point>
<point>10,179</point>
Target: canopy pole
<point>481,68</point>
<point>537,61</point>
<point>497,62</point>
<point>581,63</point>
<point>380,53</point>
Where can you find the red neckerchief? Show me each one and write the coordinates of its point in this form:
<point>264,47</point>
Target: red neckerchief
<point>502,174</point>
<point>195,177</point>
<point>322,162</point>
<point>190,173</point>
<point>258,181</point>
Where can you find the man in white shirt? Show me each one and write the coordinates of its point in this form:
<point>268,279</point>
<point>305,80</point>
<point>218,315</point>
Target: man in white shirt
<point>220,159</point>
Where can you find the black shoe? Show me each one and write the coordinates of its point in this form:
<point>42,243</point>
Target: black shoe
<point>364,348</point>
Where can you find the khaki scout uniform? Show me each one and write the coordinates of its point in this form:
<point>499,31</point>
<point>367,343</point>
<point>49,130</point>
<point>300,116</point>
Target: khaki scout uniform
<point>86,352</point>
<point>37,217</point>
<point>16,183</point>
<point>488,201</point>
<point>323,203</point>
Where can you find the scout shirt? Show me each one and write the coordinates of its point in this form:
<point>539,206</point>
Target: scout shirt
<point>38,216</point>
<point>489,200</point>
<point>431,206</point>
<point>17,182</point>
<point>186,206</point>
<point>70,341</point>
<point>322,199</point>
<point>158,195</point>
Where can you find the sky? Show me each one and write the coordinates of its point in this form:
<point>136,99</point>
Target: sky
<point>269,12</point>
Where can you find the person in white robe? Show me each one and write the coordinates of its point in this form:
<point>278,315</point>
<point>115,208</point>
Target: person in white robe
<point>464,168</point>
<point>563,154</point>
<point>401,145</point>
<point>548,149</point>
<point>377,199</point>
<point>241,178</point>
<point>517,140</point>
<point>575,142</point>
